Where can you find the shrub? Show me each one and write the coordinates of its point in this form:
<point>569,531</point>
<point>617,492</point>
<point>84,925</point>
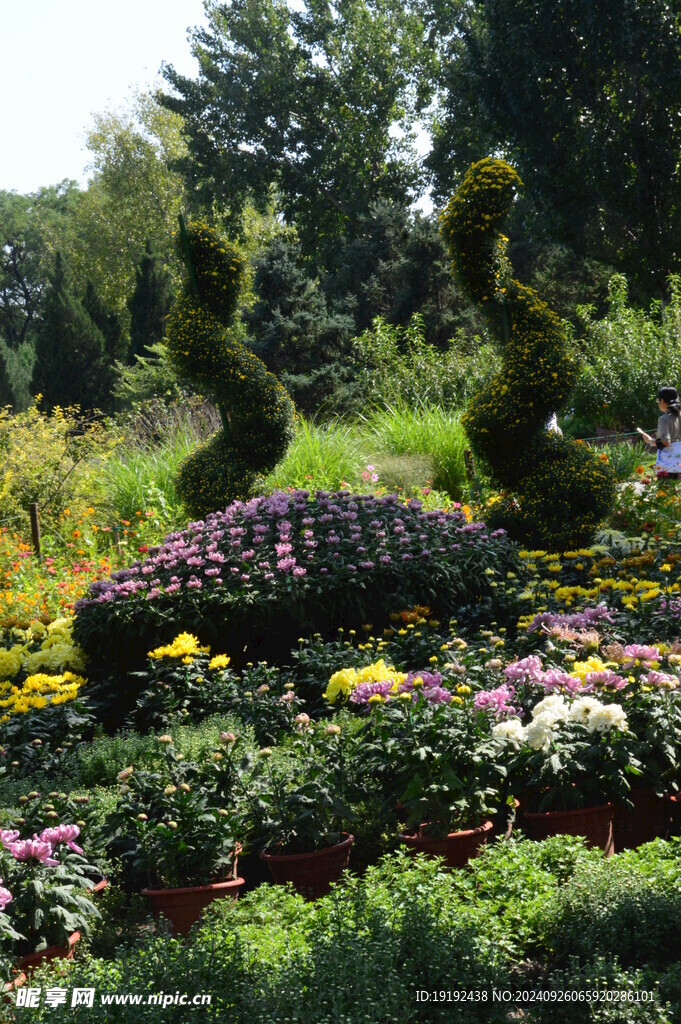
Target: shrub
<point>561,492</point>
<point>628,356</point>
<point>298,562</point>
<point>47,460</point>
<point>256,412</point>
<point>357,956</point>
<point>599,991</point>
<point>398,366</point>
<point>610,909</point>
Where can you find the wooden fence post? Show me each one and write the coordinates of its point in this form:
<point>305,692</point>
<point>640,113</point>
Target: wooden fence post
<point>117,540</point>
<point>35,529</point>
<point>470,464</point>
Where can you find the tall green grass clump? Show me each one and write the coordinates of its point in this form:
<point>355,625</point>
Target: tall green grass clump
<point>139,477</point>
<point>426,431</point>
<point>320,456</point>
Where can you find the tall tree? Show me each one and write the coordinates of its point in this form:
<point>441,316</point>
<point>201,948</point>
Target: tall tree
<point>319,102</point>
<point>71,362</point>
<point>583,98</point>
<point>32,227</point>
<point>149,304</point>
<point>293,331</point>
<point>108,322</point>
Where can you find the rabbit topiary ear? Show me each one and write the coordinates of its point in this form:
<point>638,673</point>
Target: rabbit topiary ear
<point>556,492</point>
<point>257,413</point>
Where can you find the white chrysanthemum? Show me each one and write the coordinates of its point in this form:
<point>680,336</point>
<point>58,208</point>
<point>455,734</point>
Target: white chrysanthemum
<point>553,708</point>
<point>582,709</point>
<point>511,730</point>
<point>539,732</point>
<point>608,716</point>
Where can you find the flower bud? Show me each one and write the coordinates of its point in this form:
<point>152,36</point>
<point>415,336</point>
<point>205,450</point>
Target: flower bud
<point>333,730</point>
<point>172,824</point>
<point>143,817</point>
<point>265,752</point>
<point>184,787</point>
<point>169,790</point>
<point>227,737</point>
<point>166,738</point>
<point>125,774</point>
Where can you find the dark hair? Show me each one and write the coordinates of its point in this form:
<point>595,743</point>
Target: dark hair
<point>671,397</point>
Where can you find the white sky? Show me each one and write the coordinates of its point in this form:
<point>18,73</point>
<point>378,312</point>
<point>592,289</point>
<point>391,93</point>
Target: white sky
<point>60,62</point>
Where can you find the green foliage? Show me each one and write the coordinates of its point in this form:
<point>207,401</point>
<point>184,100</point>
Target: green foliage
<point>441,768</point>
<point>563,492</point>
<point>256,411</point>
<point>134,197</point>
<point>614,908</point>
<point>628,355</point>
<point>293,331</point>
<point>168,829</point>
<point>48,460</point>
<point>150,380</point>
<point>398,366</point>
<point>74,358</point>
<point>142,474</point>
<point>306,99</point>
<point>599,156</point>
<point>429,431</point>
<point>149,304</point>
<point>320,455</point>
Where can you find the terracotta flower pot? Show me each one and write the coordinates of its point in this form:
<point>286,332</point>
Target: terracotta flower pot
<point>33,960</point>
<point>183,907</point>
<point>457,848</point>
<point>16,982</point>
<point>594,823</point>
<point>311,874</point>
<point>648,820</point>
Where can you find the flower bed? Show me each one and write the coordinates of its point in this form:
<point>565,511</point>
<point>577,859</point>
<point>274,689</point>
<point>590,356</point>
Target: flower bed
<point>295,562</point>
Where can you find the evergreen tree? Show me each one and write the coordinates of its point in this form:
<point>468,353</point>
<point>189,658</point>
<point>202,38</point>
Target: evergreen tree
<point>293,331</point>
<point>71,365</point>
<point>149,304</point>
<point>108,322</point>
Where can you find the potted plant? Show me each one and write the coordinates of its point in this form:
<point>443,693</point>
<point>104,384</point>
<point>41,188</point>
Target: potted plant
<point>174,839</point>
<point>59,808</point>
<point>653,703</point>
<point>294,808</point>
<point>436,760</point>
<point>568,765</point>
<point>48,879</point>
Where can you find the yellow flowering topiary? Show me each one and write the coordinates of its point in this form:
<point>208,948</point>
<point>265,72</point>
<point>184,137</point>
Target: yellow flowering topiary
<point>204,347</point>
<point>556,492</point>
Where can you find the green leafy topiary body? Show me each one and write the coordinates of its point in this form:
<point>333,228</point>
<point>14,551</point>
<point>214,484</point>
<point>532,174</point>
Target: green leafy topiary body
<point>257,414</point>
<point>557,491</point>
